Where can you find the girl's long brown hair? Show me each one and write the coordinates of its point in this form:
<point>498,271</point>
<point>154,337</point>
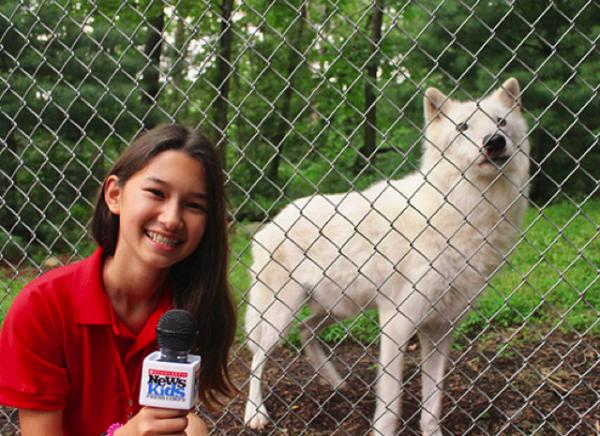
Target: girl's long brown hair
<point>199,283</point>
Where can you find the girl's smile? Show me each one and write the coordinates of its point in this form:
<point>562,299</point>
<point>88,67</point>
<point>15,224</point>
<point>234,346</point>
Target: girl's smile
<point>162,241</point>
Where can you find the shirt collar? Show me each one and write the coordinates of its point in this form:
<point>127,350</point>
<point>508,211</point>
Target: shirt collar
<point>92,305</point>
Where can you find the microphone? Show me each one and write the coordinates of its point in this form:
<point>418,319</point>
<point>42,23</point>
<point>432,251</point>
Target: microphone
<point>170,376</point>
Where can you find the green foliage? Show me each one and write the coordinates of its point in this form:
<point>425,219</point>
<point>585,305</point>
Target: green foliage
<point>12,248</point>
<point>71,87</point>
<point>72,76</point>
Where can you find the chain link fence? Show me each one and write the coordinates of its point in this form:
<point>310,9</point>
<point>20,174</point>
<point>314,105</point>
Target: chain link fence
<point>311,97</point>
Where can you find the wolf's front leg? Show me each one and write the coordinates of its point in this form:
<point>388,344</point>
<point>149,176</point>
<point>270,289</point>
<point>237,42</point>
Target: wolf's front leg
<point>435,346</point>
<point>396,330</point>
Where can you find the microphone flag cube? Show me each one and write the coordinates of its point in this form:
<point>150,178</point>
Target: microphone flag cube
<point>170,385</point>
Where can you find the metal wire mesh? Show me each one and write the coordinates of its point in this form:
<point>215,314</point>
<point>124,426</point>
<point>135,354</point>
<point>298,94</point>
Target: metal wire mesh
<point>320,97</point>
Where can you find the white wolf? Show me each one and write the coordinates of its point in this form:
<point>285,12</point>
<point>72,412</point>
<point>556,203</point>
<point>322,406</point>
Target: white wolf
<point>419,249</point>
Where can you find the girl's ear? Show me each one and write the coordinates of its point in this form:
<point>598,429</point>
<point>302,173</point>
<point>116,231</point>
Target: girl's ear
<point>112,194</point>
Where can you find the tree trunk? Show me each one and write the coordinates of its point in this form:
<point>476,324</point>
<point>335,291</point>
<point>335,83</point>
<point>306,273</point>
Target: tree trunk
<point>366,153</point>
<point>151,71</point>
<point>222,80</point>
<point>284,125</point>
<point>179,63</point>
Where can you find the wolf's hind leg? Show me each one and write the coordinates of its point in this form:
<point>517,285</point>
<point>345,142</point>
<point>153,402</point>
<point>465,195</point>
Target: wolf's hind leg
<point>309,329</point>
<point>267,321</point>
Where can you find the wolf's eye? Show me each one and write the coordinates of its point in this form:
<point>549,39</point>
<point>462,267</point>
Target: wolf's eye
<point>461,127</point>
<point>501,122</point>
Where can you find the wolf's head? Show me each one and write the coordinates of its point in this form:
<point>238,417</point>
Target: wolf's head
<point>476,139</point>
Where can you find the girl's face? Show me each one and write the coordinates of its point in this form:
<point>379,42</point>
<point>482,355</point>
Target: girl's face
<point>162,210</point>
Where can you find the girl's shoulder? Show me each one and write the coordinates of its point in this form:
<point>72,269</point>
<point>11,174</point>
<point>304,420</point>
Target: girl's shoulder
<point>60,277</point>
<point>57,274</point>
<point>59,287</point>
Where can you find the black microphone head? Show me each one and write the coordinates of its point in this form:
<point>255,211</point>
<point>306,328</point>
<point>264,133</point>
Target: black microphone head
<point>176,331</point>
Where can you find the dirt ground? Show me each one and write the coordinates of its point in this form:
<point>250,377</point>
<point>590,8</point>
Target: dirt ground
<point>506,384</point>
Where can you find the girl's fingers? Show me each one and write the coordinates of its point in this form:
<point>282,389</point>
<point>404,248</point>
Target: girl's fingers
<point>171,426</point>
<point>165,413</point>
<point>151,421</point>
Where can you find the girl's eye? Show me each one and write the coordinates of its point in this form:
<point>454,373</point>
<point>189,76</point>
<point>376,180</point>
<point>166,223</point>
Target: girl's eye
<point>501,122</point>
<point>156,192</point>
<point>197,206</point>
<point>461,127</point>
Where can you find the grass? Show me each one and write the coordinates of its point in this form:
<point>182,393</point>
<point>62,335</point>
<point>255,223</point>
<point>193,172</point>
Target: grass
<point>240,262</point>
<point>10,287</point>
<point>550,279</point>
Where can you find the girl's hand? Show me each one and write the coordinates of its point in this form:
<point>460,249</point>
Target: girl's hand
<point>152,421</point>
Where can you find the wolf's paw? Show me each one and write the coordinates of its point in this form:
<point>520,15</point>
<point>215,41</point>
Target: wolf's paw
<point>256,417</point>
<point>431,428</point>
<point>257,422</point>
<point>386,426</point>
<point>336,385</point>
<point>341,385</point>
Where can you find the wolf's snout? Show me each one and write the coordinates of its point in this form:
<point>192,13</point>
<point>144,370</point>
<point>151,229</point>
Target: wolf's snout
<point>494,144</point>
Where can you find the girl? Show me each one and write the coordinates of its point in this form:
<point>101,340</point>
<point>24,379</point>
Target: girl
<point>73,342</point>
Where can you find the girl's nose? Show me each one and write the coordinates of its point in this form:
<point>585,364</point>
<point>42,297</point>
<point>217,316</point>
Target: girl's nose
<point>170,217</point>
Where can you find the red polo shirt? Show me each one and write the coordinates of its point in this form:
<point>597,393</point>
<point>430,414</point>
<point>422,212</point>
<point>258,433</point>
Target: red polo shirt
<point>62,347</point>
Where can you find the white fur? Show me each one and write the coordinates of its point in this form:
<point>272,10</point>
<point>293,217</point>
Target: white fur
<point>419,249</point>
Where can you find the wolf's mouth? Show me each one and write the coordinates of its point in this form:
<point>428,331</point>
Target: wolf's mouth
<point>498,161</point>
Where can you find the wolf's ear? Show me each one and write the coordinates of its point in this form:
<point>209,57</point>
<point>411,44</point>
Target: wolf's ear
<point>509,93</point>
<point>432,103</point>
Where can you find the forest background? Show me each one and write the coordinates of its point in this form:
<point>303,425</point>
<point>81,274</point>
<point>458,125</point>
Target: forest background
<point>301,96</point>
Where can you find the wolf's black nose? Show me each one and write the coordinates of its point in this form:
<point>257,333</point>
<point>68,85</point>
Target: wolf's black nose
<point>494,143</point>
